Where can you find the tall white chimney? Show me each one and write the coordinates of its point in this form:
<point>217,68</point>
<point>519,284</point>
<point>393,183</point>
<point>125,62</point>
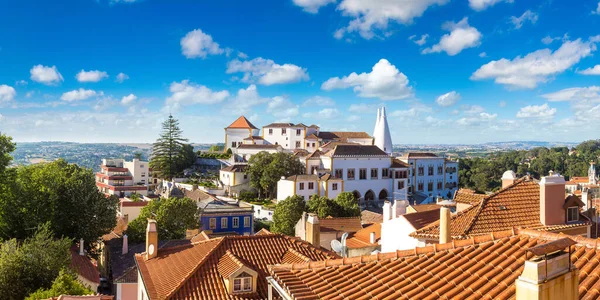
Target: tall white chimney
<point>81,251</point>
<point>445,236</point>
<point>387,211</point>
<point>399,208</point>
<point>125,245</point>
<point>372,238</point>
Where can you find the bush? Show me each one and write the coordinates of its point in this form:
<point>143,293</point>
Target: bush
<point>248,196</point>
<point>287,213</point>
<point>214,155</point>
<point>260,224</point>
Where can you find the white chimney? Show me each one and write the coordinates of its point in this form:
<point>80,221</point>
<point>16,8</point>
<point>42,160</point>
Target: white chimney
<point>445,236</point>
<point>125,245</point>
<point>509,177</point>
<point>399,208</point>
<point>372,238</point>
<point>81,251</point>
<point>387,211</point>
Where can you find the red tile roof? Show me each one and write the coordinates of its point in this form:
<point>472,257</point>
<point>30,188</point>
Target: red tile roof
<point>192,271</point>
<point>419,220</point>
<point>242,123</point>
<point>425,207</point>
<point>362,238</point>
<point>346,224</point>
<point>84,266</point>
<point>396,163</point>
<point>483,267</point>
<point>370,217</point>
<point>517,205</point>
<point>468,196</point>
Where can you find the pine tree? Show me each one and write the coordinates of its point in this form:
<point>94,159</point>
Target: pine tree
<point>167,150</point>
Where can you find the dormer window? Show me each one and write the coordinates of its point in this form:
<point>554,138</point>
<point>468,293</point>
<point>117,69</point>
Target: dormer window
<point>242,283</point>
<point>573,214</point>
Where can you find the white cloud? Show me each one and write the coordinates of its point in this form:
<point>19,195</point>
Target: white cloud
<point>420,41</point>
<point>502,104</point>
<point>7,93</point>
<point>528,15</point>
<point>187,93</point>
<point>597,11</point>
<point>80,94</point>
<point>363,108</point>
<point>326,113</point>
<point>319,101</point>
<point>282,107</point>
<point>476,119</point>
<point>535,67</point>
<point>368,16</point>
<point>448,99</point>
<point>595,70</point>
<point>482,54</point>
<point>384,82</point>
<point>547,40</point>
<point>127,100</point>
<point>266,71</point>
<point>472,109</point>
<point>245,100</point>
<point>461,36</point>
<point>21,83</point>
<point>584,103</point>
<point>312,6</point>
<point>576,93</point>
<point>121,77</point>
<point>543,111</point>
<point>480,5</point>
<point>45,75</point>
<point>91,76</point>
<point>29,94</point>
<point>199,44</point>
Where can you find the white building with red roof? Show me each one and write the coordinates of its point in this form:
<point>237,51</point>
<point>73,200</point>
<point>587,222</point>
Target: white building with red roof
<point>240,130</point>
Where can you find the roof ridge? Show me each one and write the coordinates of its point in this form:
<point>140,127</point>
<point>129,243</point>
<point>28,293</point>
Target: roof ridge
<point>437,223</point>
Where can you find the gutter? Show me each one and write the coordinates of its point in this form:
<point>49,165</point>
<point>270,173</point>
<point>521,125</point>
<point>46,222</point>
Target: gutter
<point>274,284</point>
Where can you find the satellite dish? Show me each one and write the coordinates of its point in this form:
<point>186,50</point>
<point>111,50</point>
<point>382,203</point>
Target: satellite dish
<point>336,246</point>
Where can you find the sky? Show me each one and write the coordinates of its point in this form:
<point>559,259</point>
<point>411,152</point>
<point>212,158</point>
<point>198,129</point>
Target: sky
<point>447,71</point>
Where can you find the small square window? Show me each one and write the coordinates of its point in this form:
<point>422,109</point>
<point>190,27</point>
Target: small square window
<point>301,186</point>
<point>573,214</point>
<point>311,185</point>
<point>334,186</point>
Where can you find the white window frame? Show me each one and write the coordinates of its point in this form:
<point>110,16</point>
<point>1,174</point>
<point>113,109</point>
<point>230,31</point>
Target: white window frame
<point>246,221</point>
<point>224,222</point>
<point>244,284</point>
<point>235,222</point>
<point>212,223</point>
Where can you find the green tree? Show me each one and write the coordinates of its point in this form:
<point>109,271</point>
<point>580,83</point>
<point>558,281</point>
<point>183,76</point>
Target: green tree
<point>216,148</point>
<point>265,169</point>
<point>348,205</point>
<point>65,284</point>
<point>167,150</point>
<point>137,155</point>
<point>6,147</point>
<point>188,157</point>
<point>135,197</point>
<point>173,216</point>
<point>322,206</point>
<point>58,193</point>
<point>33,264</point>
<point>286,215</point>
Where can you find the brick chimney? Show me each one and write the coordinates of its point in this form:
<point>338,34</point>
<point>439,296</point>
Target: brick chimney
<point>552,199</point>
<point>125,249</point>
<point>445,236</point>
<point>151,239</point>
<point>549,273</point>
<point>313,230</point>
<point>509,177</point>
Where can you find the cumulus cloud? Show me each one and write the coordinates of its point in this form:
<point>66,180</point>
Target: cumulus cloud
<point>584,103</point>
<point>199,44</point>
<point>480,5</point>
<point>421,41</point>
<point>326,113</point>
<point>78,95</point>
<point>373,15</point>
<point>461,36</point>
<point>597,11</point>
<point>575,93</point>
<point>188,93</point>
<point>7,93</point>
<point>527,16</point>
<point>266,71</point>
<point>476,119</point>
<point>312,6</point>
<point>319,101</point>
<point>91,76</point>
<point>536,67</point>
<point>363,108</point>
<point>543,111</point>
<point>448,99</point>
<point>45,75</point>
<point>595,70</point>
<point>282,107</point>
<point>129,99</point>
<point>21,82</point>
<point>245,100</point>
<point>482,54</point>
<point>121,77</point>
<point>384,81</point>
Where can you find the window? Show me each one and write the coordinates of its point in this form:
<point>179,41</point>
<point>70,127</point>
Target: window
<point>313,144</point>
<point>143,174</point>
<point>270,131</point>
<point>430,186</point>
<point>283,131</point>
<point>573,214</point>
<point>339,173</point>
<point>298,131</point>
<point>212,223</point>
<point>246,221</point>
<point>301,186</point>
<point>245,176</point>
<point>374,173</point>
<point>242,284</point>
<point>313,169</point>
<point>235,222</point>
<point>223,223</point>
<point>385,173</point>
<point>350,174</point>
<point>297,144</point>
<point>420,186</point>
<point>334,186</point>
<point>439,185</point>
<point>362,174</point>
<point>430,171</point>
<point>232,144</point>
<point>307,145</point>
<point>421,171</point>
<point>311,185</point>
<point>400,185</point>
<point>440,170</point>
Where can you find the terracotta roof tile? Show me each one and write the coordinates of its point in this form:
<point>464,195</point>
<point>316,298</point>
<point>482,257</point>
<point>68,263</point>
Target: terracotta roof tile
<point>342,136</point>
<point>484,268</point>
<point>425,207</point>
<point>362,238</point>
<point>468,196</point>
<point>345,224</point>
<point>396,163</point>
<point>370,217</point>
<point>421,219</point>
<point>242,123</point>
<point>357,150</point>
<point>84,266</point>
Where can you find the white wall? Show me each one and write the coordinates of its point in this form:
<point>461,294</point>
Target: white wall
<point>362,186</point>
<point>238,135</point>
<point>285,188</point>
<point>288,140</point>
<point>362,141</point>
<point>395,235</point>
<point>139,170</point>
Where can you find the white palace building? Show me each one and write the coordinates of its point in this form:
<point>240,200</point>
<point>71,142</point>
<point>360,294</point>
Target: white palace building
<point>347,162</point>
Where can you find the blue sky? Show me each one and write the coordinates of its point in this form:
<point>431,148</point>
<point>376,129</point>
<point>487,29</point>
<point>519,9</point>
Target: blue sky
<point>467,71</point>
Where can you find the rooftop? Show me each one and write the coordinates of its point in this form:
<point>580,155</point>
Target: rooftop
<point>84,266</point>
<point>357,150</point>
<point>484,267</point>
<point>362,238</point>
<point>345,224</point>
<point>343,136</point>
<point>468,196</point>
<point>242,123</point>
<point>419,155</point>
<point>284,125</point>
<point>235,168</point>
<point>258,146</point>
<point>369,217</point>
<point>419,220</point>
<point>396,163</point>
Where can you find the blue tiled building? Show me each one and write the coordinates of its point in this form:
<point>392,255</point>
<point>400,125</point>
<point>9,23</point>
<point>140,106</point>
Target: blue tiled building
<point>221,217</point>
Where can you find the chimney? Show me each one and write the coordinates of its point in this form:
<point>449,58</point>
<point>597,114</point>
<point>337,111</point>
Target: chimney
<point>399,208</point>
<point>549,274</point>
<point>508,178</point>
<point>151,239</point>
<point>387,211</point>
<point>445,225</point>
<point>313,230</point>
<point>585,198</point>
<point>125,245</point>
<point>552,198</point>
<point>372,238</point>
<point>81,251</point>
